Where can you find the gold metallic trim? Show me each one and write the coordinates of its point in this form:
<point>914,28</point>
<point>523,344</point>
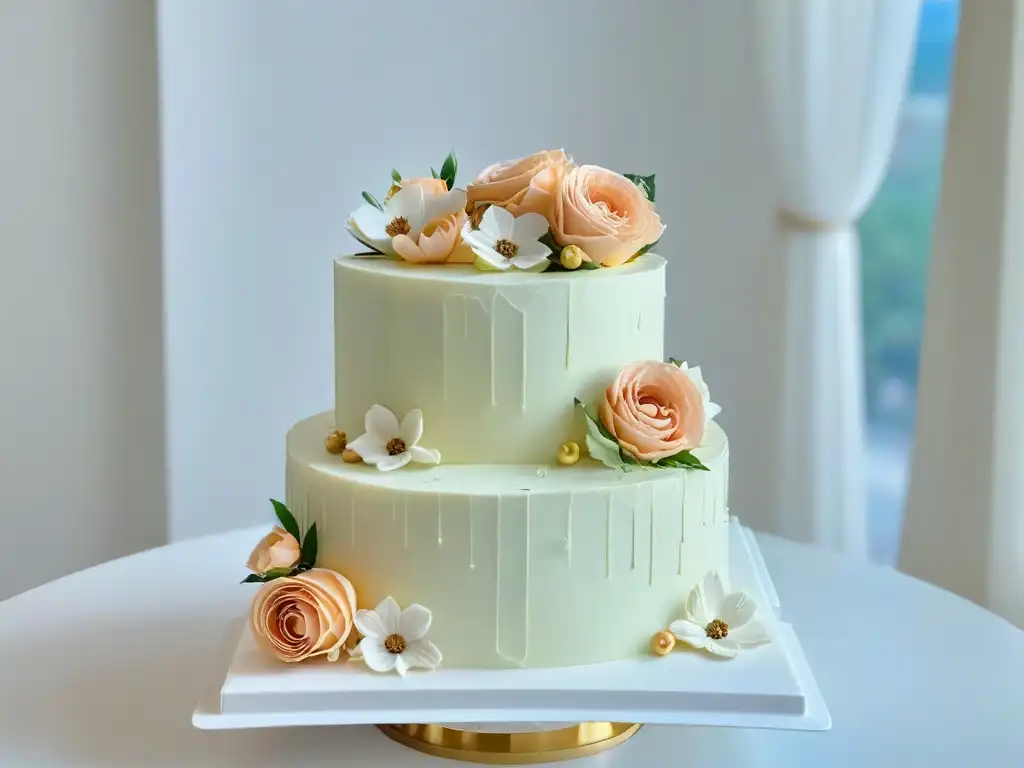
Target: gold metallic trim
<point>528,748</point>
<point>807,224</point>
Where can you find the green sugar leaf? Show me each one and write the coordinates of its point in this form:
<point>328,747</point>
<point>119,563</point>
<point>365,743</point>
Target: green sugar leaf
<point>309,546</point>
<point>449,168</point>
<point>277,573</point>
<point>395,176</point>
<point>372,200</point>
<point>645,183</point>
<point>253,578</point>
<point>287,518</point>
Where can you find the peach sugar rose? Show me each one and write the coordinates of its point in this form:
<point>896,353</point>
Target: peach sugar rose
<point>278,549</point>
<point>654,410</point>
<point>527,185</point>
<point>306,615</point>
<point>605,214</point>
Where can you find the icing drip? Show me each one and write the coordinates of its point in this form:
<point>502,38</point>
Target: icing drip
<point>405,522</point>
<point>307,513</point>
<point>472,565</point>
<point>352,522</point>
<point>650,561</point>
<point>440,535</point>
<point>394,509</point>
<point>494,400</point>
<point>682,522</point>
<point>636,502</point>
<point>444,350</point>
<point>525,623</point>
<point>322,530</point>
<point>568,533</point>
<point>608,537</point>
<point>568,324</point>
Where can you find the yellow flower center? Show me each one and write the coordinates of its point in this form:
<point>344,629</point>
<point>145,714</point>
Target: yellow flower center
<point>398,226</point>
<point>717,629</point>
<point>506,248</point>
<point>396,445</point>
<point>394,644</point>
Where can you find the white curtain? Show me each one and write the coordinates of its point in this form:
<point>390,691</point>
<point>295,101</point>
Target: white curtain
<point>834,74</point>
<point>964,526</point>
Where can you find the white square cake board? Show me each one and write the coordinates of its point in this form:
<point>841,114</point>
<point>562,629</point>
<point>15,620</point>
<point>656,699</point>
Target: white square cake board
<point>766,687</point>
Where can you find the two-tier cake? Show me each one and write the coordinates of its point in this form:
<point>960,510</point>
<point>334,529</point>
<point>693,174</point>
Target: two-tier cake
<point>514,474</point>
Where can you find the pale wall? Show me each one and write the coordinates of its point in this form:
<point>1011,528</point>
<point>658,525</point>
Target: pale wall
<point>277,114</point>
<point>81,370</point>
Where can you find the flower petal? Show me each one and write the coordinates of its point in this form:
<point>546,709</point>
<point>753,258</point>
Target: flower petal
<point>411,429</point>
<point>381,423</point>
<point>686,630</point>
<point>439,206</point>
<point>719,649</point>
<point>530,255</point>
<point>370,222</point>
<point>370,449</point>
<point>407,202</point>
<point>401,664</point>
<point>497,223</point>
<point>370,624</point>
<point>528,227</point>
<point>390,615</point>
<point>399,460</point>
<point>406,247</point>
<point>414,623</point>
<point>750,634</point>
<point>706,597</point>
<point>376,656</point>
<point>693,640</point>
<point>736,610</point>
<point>423,455</point>
<point>423,654</point>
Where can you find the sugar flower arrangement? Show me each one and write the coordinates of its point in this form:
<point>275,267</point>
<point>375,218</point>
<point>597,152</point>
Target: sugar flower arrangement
<point>302,612</point>
<point>538,213</point>
<point>653,415</point>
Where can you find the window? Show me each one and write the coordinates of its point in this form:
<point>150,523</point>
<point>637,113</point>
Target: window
<point>895,244</point>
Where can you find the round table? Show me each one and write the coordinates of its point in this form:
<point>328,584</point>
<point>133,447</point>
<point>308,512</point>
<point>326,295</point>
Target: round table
<point>104,668</point>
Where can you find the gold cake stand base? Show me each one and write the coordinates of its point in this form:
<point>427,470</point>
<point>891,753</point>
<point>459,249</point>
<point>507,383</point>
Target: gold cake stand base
<point>528,748</point>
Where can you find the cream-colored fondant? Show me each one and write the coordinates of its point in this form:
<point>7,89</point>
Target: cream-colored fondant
<point>493,360</point>
<point>572,565</point>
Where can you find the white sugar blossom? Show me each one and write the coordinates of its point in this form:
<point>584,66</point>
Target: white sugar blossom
<point>710,409</point>
<point>389,445</point>
<point>406,212</point>
<point>719,623</point>
<point>504,240</point>
<point>395,639</point>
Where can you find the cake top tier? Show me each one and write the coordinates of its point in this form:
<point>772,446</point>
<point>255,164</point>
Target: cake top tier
<point>493,362</point>
<point>540,213</point>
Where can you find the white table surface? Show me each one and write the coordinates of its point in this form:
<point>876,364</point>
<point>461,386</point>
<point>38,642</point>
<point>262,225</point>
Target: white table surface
<point>104,668</point>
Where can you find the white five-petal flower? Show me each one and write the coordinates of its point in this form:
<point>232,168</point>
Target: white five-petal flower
<point>389,445</point>
<point>720,623</point>
<point>710,409</point>
<point>504,240</point>
<point>395,639</point>
<point>406,212</point>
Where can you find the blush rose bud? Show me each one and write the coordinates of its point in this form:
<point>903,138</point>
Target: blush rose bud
<point>278,549</point>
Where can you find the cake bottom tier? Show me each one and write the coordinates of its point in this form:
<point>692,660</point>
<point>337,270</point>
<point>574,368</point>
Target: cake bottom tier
<point>521,566</point>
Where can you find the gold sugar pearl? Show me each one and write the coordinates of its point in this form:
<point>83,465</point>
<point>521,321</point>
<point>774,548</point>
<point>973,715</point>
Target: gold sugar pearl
<point>572,256</point>
<point>336,442</point>
<point>568,453</point>
<point>350,457</point>
<point>663,643</point>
